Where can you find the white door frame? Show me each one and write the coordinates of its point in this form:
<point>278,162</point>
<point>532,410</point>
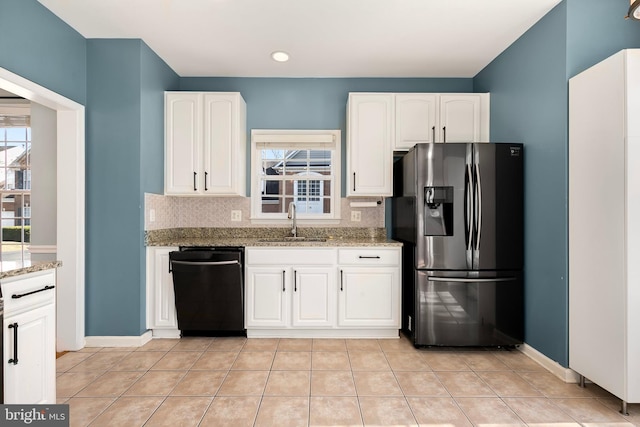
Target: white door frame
<point>70,205</point>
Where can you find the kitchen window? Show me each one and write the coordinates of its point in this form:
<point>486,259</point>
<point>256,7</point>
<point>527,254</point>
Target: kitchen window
<point>295,166</point>
<point>15,187</point>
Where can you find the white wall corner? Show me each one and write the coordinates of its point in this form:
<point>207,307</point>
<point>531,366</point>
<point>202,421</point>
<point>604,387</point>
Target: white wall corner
<point>565,374</point>
<point>117,341</point>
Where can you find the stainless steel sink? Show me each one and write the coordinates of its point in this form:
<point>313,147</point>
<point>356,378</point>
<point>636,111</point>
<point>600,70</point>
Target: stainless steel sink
<point>291,239</point>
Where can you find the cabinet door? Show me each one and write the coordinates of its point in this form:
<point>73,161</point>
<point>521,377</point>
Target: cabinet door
<point>460,118</point>
<point>183,142</point>
<point>416,119</point>
<point>161,301</point>
<point>369,297</point>
<point>369,148</point>
<point>33,379</point>
<point>314,297</point>
<point>267,291</point>
<point>223,144</point>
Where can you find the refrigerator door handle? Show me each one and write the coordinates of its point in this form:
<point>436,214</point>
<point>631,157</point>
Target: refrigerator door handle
<point>468,204</point>
<point>465,280</point>
<point>478,215</point>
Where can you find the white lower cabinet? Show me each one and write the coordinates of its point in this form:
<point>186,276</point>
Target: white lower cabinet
<point>368,297</point>
<point>369,287</point>
<point>267,299</point>
<point>314,295</point>
<point>161,306</point>
<point>29,338</point>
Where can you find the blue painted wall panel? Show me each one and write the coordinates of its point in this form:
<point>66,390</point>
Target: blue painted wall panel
<point>37,45</point>
<point>596,30</point>
<point>113,267</point>
<point>529,103</point>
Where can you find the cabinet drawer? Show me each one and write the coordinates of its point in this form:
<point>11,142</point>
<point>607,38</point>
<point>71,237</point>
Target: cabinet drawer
<point>369,256</point>
<point>32,290</point>
<point>297,256</point>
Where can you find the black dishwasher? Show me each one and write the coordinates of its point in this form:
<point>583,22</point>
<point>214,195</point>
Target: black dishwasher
<point>209,290</point>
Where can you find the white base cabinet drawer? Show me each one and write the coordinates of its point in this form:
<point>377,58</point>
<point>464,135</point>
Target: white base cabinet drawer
<point>369,256</point>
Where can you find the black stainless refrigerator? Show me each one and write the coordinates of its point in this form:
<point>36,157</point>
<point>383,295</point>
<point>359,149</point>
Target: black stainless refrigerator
<point>458,209</point>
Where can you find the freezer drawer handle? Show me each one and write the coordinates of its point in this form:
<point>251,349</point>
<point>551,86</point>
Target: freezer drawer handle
<point>369,257</point>
<point>46,288</point>
<point>206,262</point>
<point>14,326</point>
<point>464,280</point>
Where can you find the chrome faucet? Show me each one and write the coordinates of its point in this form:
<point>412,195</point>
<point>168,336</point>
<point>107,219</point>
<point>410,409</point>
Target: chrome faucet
<point>292,216</point>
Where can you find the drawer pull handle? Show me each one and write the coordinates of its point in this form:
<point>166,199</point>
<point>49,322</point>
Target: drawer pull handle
<point>369,257</point>
<point>46,288</point>
<point>14,326</point>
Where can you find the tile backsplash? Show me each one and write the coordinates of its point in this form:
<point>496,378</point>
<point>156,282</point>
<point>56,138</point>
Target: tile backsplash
<point>215,212</point>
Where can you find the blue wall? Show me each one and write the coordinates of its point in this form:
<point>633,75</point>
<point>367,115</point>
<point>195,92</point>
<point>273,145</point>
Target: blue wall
<point>124,150</point>
<point>37,45</point>
<point>529,103</point>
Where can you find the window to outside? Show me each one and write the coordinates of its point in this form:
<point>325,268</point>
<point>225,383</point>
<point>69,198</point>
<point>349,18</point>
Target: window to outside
<point>300,167</point>
<point>15,188</point>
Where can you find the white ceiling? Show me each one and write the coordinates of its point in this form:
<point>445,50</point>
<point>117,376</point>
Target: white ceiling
<point>325,38</point>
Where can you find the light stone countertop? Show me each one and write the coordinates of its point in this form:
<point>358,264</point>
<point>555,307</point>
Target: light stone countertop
<point>269,237</point>
<point>17,268</point>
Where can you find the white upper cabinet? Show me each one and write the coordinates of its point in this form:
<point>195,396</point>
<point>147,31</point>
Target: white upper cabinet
<point>416,119</point>
<point>461,118</point>
<point>369,144</point>
<point>432,117</point>
<point>380,123</point>
<point>205,144</point>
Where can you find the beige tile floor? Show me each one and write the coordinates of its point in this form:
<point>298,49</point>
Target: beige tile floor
<point>302,382</point>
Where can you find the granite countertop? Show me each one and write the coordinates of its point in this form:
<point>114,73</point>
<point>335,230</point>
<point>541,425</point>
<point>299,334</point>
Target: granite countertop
<point>17,268</point>
<point>269,237</point>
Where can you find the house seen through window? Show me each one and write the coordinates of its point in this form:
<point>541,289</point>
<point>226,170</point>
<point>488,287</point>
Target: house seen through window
<point>15,187</point>
<point>300,167</point>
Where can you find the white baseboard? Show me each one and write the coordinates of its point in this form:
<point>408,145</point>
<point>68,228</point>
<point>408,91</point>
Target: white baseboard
<point>128,341</point>
<point>565,374</point>
<point>323,333</point>
<point>166,333</point>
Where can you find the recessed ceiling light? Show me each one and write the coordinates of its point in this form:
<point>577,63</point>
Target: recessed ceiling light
<point>280,56</point>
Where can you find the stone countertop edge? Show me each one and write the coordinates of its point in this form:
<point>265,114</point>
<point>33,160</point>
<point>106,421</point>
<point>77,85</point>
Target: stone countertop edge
<point>246,242</point>
<point>35,267</point>
<point>264,237</point>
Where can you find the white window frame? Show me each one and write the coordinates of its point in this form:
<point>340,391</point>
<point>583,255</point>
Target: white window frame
<point>295,139</point>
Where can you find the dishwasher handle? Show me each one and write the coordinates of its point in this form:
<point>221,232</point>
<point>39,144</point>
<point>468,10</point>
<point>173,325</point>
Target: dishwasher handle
<point>206,262</point>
